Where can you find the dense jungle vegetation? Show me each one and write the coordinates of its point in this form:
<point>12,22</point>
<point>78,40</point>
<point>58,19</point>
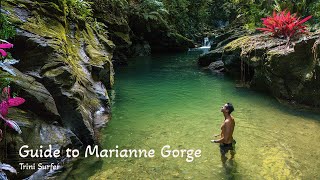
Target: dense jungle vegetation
<point>192,17</point>
<point>189,17</point>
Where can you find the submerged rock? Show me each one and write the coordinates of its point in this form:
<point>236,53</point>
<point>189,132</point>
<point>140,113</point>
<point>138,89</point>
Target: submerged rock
<point>217,66</point>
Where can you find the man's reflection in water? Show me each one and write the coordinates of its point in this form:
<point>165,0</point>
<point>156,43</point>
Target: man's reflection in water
<point>230,168</point>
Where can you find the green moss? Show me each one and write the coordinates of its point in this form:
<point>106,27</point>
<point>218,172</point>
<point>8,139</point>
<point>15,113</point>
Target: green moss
<point>54,72</point>
<point>73,60</point>
<point>237,44</point>
<point>45,27</point>
<point>53,8</point>
<point>96,57</point>
<point>123,36</point>
<point>94,48</point>
<point>12,17</point>
<point>107,43</point>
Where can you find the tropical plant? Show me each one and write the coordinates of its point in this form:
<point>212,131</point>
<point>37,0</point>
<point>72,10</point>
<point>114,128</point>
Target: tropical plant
<point>152,13</point>
<point>7,30</point>
<point>6,58</point>
<point>284,25</point>
<point>5,45</point>
<point>6,102</point>
<point>112,7</point>
<point>79,9</point>
<point>189,17</point>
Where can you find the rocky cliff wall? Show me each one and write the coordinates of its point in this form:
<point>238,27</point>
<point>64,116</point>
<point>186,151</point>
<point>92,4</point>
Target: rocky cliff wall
<point>287,70</point>
<point>64,72</point>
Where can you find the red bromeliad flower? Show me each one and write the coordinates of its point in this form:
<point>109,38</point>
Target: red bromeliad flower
<point>5,45</point>
<point>284,25</point>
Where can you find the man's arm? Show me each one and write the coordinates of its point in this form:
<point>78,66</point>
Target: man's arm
<point>226,134</point>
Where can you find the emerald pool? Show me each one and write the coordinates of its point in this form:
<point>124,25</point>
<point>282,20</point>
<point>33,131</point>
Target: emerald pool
<point>167,100</point>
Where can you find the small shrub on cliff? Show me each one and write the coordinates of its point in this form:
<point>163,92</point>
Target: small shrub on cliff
<point>6,28</point>
<point>284,25</point>
<point>79,9</point>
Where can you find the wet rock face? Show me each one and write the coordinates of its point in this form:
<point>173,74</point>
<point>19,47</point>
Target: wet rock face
<point>292,73</point>
<point>64,71</point>
<point>36,132</point>
<point>220,38</point>
<point>288,70</point>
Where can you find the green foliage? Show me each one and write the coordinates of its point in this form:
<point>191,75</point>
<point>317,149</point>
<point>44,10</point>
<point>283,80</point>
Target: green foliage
<point>114,7</point>
<point>314,10</point>
<point>152,12</point>
<point>7,30</point>
<point>79,9</point>
<point>187,16</point>
<point>4,80</point>
<point>249,12</point>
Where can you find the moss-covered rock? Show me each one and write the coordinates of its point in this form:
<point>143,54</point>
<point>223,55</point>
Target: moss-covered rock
<point>64,72</point>
<point>286,69</point>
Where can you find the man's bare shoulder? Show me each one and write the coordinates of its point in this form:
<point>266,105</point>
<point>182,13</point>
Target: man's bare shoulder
<point>227,121</point>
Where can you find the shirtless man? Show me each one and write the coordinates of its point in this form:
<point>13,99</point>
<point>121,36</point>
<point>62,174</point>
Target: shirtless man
<point>226,140</point>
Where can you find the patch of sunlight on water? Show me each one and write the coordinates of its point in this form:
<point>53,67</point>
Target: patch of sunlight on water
<point>166,100</point>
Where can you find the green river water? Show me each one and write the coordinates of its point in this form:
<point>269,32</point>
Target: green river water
<point>168,100</point>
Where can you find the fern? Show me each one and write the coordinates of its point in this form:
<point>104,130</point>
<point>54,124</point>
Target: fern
<point>79,9</point>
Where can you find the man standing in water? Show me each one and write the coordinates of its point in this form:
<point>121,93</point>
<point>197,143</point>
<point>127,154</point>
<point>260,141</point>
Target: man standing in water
<point>226,140</point>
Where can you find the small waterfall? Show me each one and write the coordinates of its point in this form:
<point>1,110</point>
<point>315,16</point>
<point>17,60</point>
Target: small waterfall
<point>205,46</point>
<point>206,42</point>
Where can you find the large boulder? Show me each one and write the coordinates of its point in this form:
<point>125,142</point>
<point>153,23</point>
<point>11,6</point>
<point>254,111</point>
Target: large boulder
<point>289,70</point>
